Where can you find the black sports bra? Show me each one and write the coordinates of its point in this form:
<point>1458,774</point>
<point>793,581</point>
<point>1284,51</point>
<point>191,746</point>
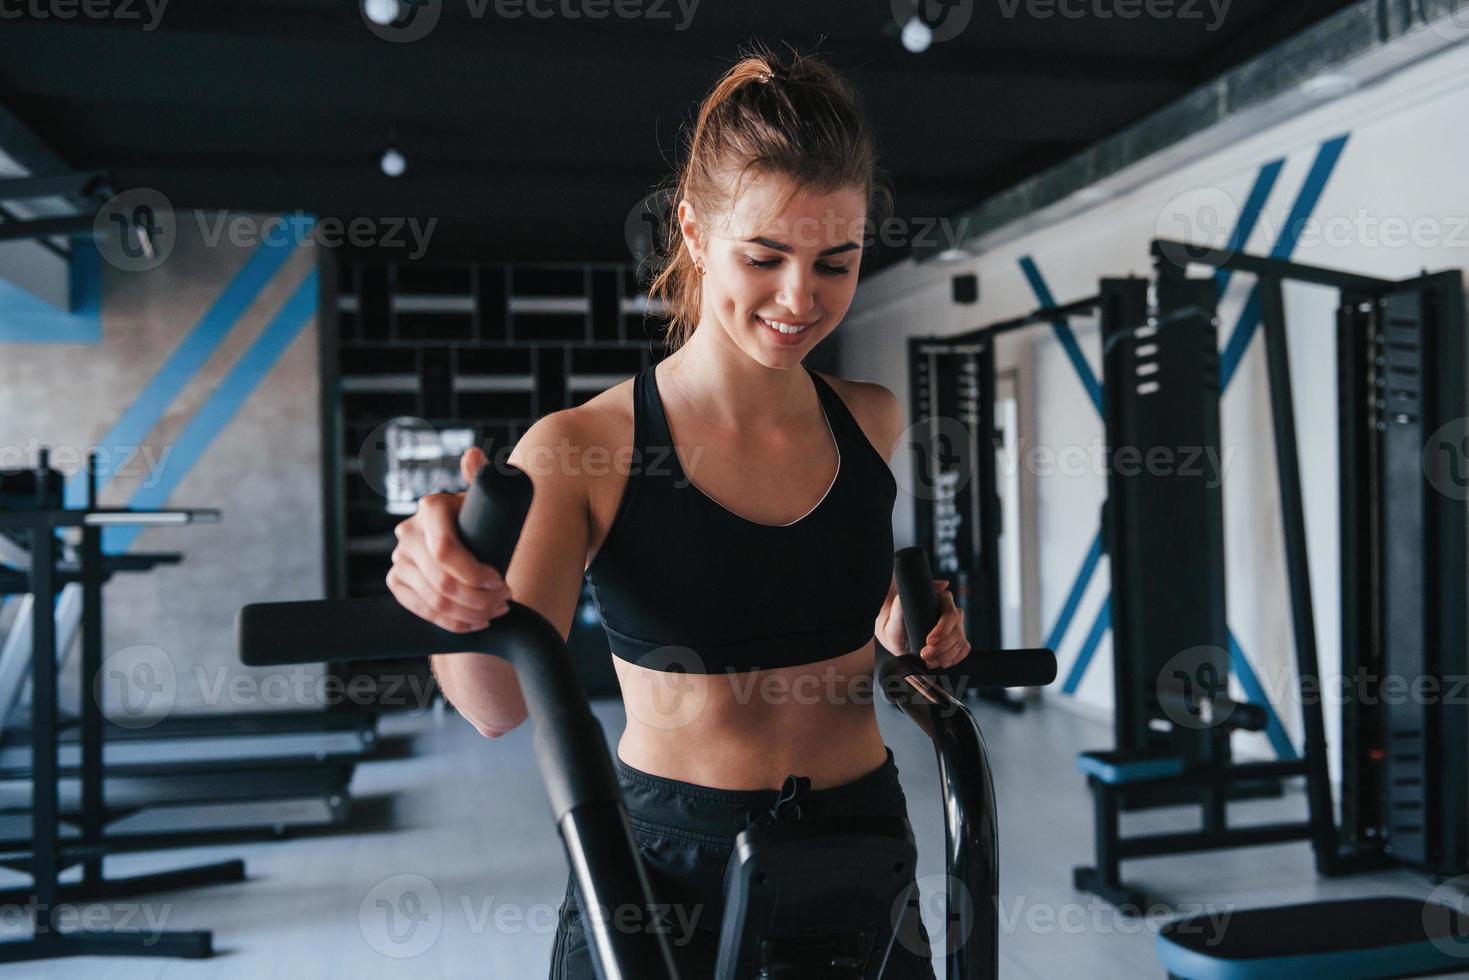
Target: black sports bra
<point>682,583</point>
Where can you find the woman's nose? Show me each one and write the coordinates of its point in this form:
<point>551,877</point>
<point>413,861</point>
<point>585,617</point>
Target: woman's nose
<point>796,295</point>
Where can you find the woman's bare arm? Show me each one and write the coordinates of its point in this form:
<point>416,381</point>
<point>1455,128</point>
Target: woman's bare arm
<point>435,570</point>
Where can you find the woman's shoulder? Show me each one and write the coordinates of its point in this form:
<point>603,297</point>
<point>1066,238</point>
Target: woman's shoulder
<point>581,445</point>
<point>604,422</point>
<point>875,407</point>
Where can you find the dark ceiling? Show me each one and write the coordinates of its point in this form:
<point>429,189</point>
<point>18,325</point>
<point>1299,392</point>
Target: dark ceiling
<point>532,137</point>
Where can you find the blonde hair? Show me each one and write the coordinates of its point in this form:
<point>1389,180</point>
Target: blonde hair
<point>795,117</point>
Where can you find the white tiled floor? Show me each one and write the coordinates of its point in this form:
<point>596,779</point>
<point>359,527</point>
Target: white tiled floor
<point>470,816</point>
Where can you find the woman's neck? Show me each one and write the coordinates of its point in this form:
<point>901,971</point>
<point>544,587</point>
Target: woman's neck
<point>731,390</point>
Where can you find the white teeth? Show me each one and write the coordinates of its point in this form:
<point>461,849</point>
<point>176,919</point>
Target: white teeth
<point>786,328</point>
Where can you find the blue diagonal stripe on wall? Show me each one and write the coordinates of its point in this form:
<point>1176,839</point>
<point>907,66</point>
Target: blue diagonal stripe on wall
<point>184,363</point>
<point>1249,215</point>
<point>1063,332</point>
<point>1067,339</point>
<point>1100,625</point>
<point>1326,160</point>
<point>1078,590</point>
<point>252,368</point>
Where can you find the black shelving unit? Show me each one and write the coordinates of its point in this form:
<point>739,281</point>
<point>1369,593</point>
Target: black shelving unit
<point>491,346</point>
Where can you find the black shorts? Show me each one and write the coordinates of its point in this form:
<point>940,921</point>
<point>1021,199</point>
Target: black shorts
<point>686,832</point>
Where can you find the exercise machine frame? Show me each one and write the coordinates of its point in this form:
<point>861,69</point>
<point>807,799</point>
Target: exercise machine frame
<point>576,764</point>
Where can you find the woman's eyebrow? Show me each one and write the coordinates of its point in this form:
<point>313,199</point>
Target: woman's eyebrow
<point>782,247</point>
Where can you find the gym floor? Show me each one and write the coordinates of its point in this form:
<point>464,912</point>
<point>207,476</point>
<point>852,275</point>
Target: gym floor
<point>462,803</point>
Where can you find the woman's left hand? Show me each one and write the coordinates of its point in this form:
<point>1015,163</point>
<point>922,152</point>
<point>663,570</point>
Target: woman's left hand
<point>945,644</point>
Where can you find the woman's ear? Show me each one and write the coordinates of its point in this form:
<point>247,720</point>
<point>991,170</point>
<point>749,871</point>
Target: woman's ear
<point>688,226</point>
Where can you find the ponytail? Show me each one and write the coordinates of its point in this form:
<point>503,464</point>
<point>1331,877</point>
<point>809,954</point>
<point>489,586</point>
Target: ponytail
<point>795,117</point>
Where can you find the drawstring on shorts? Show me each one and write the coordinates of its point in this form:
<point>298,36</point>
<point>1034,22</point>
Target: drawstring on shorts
<point>786,806</point>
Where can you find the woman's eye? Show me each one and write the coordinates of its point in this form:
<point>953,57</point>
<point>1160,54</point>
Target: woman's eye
<point>831,270</point>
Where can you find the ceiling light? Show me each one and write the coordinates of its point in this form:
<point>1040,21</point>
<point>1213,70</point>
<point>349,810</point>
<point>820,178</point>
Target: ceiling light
<point>382,12</point>
<point>393,162</point>
<point>917,35</point>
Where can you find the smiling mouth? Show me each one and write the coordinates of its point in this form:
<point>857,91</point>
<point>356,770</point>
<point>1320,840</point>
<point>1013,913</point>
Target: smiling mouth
<point>789,329</point>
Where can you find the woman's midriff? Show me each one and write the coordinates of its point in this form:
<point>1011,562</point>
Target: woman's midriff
<point>750,730</point>
<point>745,730</point>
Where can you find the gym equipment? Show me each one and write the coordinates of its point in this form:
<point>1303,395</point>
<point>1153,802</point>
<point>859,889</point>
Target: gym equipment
<point>1345,940</point>
<point>87,190</point>
<point>1173,718</point>
<point>1400,378</point>
<point>146,808</point>
<point>1400,374</point>
<point>577,768</point>
<point>958,514</point>
<point>46,855</point>
<point>244,737</point>
<point>1174,376</point>
<point>173,777</point>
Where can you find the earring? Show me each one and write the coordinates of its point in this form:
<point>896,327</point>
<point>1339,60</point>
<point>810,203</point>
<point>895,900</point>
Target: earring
<point>700,267</point>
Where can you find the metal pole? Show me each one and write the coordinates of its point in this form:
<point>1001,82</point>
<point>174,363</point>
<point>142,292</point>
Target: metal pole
<point>45,860</point>
<point>1293,520</point>
<point>91,707</point>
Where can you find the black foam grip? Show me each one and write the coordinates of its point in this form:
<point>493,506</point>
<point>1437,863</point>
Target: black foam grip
<point>372,628</point>
<point>1009,668</point>
<point>919,601</point>
<point>494,513</point>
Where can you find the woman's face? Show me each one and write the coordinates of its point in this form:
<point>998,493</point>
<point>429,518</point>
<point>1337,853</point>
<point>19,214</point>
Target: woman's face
<point>778,284</point>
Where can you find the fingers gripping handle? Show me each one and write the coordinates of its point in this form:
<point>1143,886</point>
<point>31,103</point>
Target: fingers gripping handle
<point>916,593</point>
<point>378,628</point>
<point>494,513</point>
<point>921,612</point>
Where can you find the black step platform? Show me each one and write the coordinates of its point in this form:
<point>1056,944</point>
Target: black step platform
<point>1342,940</point>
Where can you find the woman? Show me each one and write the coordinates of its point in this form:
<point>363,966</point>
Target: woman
<point>732,511</point>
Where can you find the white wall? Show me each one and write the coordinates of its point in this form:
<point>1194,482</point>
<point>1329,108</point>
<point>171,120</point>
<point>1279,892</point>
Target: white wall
<point>1404,162</point>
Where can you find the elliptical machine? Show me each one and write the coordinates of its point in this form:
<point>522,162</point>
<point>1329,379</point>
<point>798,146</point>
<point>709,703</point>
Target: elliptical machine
<point>780,919</point>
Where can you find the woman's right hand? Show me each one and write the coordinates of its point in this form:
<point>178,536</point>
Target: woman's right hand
<point>434,575</point>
